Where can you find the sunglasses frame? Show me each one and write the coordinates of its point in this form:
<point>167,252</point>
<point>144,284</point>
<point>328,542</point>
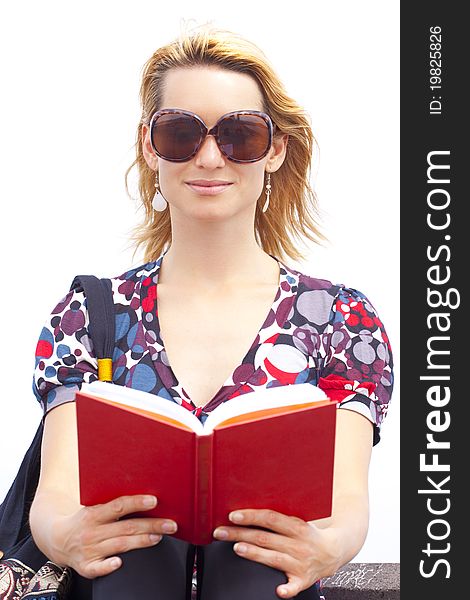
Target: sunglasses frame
<point>205,131</point>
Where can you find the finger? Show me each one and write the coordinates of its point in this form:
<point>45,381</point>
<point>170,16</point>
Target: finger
<point>258,537</point>
<point>120,507</point>
<point>99,568</point>
<point>137,526</point>
<point>290,589</point>
<point>270,519</point>
<point>125,543</point>
<point>270,558</point>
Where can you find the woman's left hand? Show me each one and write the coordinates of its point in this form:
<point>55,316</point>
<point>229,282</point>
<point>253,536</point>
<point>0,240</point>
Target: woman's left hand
<point>303,551</point>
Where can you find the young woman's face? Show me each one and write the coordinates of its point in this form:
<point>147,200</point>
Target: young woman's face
<point>211,92</point>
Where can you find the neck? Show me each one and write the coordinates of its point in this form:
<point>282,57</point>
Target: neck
<point>210,254</point>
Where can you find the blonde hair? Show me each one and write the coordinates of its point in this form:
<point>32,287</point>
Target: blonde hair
<point>293,210</point>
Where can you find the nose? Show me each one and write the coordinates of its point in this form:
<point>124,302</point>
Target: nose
<point>209,154</point>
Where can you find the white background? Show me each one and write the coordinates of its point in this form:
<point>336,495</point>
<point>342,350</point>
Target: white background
<point>69,111</point>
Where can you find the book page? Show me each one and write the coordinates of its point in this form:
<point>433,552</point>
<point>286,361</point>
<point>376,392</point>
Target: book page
<point>286,395</point>
<point>143,401</point>
<point>268,412</point>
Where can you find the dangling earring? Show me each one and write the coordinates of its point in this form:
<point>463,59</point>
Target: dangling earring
<point>268,192</point>
<point>159,203</point>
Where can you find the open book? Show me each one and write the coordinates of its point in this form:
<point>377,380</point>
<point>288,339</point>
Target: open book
<point>271,448</point>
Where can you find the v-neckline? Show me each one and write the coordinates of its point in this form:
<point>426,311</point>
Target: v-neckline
<point>152,322</point>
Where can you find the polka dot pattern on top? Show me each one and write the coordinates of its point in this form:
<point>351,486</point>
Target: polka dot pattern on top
<point>315,332</point>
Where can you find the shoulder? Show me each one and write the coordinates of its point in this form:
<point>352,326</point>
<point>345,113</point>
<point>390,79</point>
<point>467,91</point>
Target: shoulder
<point>314,297</point>
<point>322,303</point>
<point>138,273</point>
<point>125,286</point>
<point>308,283</point>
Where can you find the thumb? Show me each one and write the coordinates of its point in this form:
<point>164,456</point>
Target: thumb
<point>291,588</point>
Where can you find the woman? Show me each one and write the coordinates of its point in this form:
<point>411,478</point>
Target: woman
<point>223,155</point>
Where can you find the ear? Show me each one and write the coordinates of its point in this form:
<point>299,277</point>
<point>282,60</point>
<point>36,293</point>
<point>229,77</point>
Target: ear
<point>277,152</point>
<point>149,155</point>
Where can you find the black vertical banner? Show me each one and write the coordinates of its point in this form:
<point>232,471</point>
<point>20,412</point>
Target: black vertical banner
<point>435,255</point>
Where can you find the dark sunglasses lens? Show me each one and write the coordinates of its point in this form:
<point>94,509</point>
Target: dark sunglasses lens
<point>244,137</point>
<point>176,136</point>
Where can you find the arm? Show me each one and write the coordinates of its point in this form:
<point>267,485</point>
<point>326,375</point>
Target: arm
<point>58,481</point>
<point>350,515</point>
<point>84,538</point>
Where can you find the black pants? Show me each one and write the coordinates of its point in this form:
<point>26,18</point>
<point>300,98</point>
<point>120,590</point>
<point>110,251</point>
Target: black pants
<point>164,572</point>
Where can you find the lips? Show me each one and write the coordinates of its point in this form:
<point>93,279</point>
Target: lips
<point>208,182</point>
<point>208,187</point>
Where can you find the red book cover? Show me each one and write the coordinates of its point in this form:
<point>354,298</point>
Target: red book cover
<point>278,458</point>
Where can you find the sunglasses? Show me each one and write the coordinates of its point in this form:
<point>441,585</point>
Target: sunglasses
<point>243,136</point>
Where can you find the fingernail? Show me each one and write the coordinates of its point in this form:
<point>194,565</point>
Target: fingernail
<point>236,516</point>
<point>221,533</point>
<point>154,538</point>
<point>150,501</point>
<point>241,548</point>
<point>169,527</point>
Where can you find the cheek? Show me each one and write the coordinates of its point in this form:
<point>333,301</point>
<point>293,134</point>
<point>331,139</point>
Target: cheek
<point>253,180</point>
<point>169,174</point>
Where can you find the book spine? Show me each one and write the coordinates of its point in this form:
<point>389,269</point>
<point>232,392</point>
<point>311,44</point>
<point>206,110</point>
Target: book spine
<point>203,518</point>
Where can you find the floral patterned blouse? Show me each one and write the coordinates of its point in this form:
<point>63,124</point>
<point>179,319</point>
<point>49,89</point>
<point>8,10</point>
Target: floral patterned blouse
<point>327,335</point>
<point>316,332</point>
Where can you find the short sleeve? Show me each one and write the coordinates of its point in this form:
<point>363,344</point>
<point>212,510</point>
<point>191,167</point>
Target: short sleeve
<point>64,353</point>
<point>357,369</point>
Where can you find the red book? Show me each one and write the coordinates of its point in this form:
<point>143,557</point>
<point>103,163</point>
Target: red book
<point>271,448</point>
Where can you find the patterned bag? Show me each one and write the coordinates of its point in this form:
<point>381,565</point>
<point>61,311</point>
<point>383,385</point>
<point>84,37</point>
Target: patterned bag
<point>25,572</point>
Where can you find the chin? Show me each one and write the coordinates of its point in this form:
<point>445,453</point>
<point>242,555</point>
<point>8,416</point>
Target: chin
<point>209,210</point>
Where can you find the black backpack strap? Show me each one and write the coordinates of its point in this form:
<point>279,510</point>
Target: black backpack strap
<point>99,298</point>
<point>14,509</point>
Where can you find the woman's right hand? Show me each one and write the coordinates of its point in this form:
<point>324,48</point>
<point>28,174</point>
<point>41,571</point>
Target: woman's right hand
<point>89,539</point>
